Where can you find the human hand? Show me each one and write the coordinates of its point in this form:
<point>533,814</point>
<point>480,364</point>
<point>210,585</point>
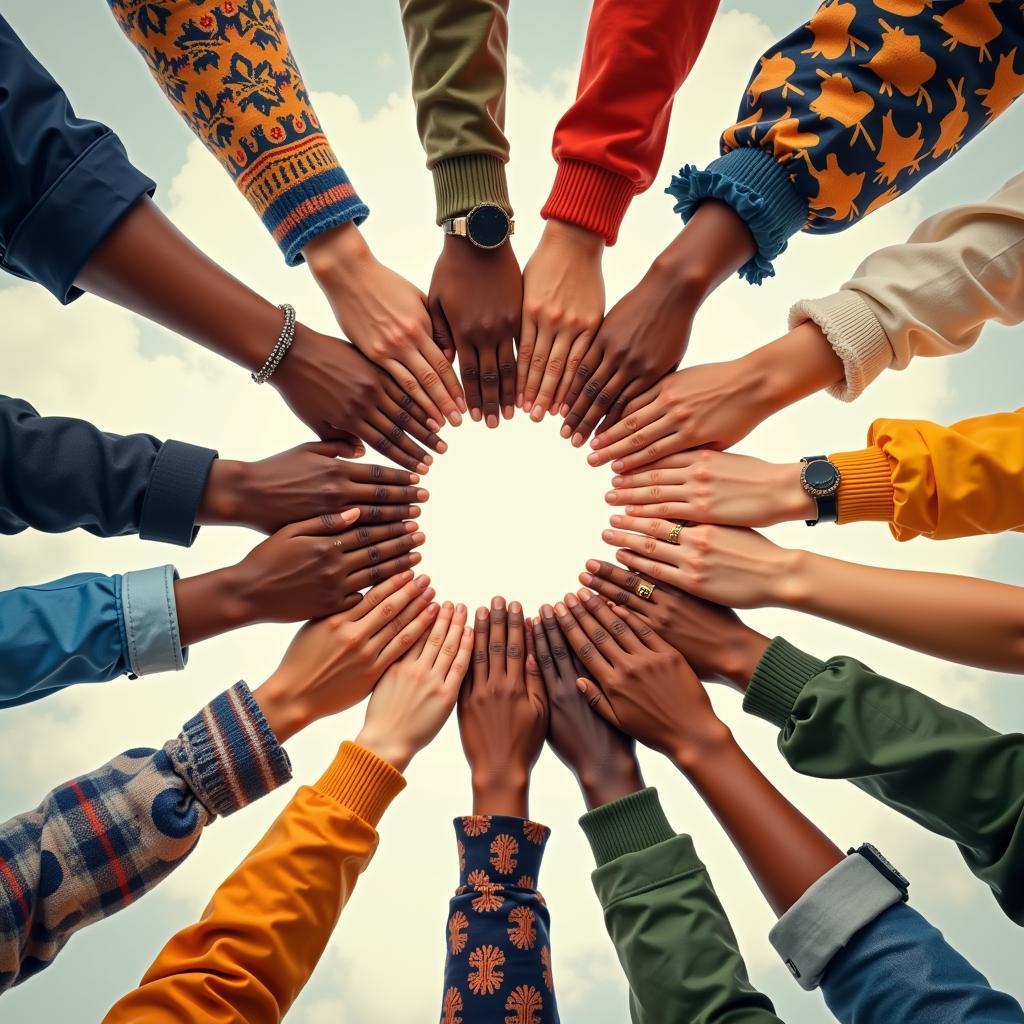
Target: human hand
<point>475,303</point>
<point>386,318</point>
<point>503,713</point>
<point>563,303</point>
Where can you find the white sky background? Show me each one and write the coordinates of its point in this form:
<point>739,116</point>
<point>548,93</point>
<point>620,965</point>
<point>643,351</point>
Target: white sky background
<point>516,511</point>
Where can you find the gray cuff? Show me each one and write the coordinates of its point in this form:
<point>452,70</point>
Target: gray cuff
<point>151,621</point>
<point>828,915</point>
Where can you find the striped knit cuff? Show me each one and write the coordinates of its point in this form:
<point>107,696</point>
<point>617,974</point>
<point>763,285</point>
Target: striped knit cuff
<point>627,825</point>
<point>865,486</point>
<point>229,753</point>
<point>590,197</point>
<point>361,781</point>
<point>175,490</point>
<point>462,182</point>
<point>779,679</point>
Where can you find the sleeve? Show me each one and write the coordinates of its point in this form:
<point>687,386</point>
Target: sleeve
<point>87,628</point>
<point>937,766</point>
<point>458,51</point>
<point>101,841</point>
<point>930,296</point>
<point>498,965</point>
<point>227,68</point>
<point>937,482</point>
<point>670,932</point>
<point>852,110</point>
<point>609,143</point>
<point>65,474</point>
<point>266,927</point>
<point>64,182</point>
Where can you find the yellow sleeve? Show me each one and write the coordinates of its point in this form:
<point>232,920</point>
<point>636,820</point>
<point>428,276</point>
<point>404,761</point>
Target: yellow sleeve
<point>266,927</point>
<point>937,482</point>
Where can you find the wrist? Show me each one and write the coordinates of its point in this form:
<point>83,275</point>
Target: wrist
<point>604,784</point>
<point>745,651</point>
<point>705,742</point>
<point>503,791</point>
<point>392,749</point>
<point>583,242</point>
<point>794,503</point>
<point>210,604</point>
<point>336,256</point>
<point>794,585</point>
<point>283,711</point>
<point>223,497</point>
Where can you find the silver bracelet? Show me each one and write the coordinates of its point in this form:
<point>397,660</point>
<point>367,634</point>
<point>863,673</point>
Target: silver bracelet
<point>281,346</point>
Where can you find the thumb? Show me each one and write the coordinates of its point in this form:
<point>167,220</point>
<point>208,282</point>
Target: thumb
<point>331,449</point>
<point>597,700</point>
<point>324,525</point>
<point>350,446</point>
<point>442,332</point>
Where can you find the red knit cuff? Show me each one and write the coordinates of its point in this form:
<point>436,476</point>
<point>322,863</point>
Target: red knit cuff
<point>865,486</point>
<point>590,197</point>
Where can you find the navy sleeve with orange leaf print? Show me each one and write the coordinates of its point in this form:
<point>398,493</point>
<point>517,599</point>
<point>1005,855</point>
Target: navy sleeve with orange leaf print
<point>498,967</point>
<point>853,108</point>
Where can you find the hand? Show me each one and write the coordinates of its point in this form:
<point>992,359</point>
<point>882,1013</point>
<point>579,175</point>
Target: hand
<point>706,486</point>
<point>304,482</point>
<point>601,758</point>
<point>476,299</point>
<point>417,694</point>
<point>386,318</point>
<point>563,303</point>
<point>503,714</point>
<point>333,664</point>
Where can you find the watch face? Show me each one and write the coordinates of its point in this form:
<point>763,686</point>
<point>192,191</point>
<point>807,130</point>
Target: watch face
<point>487,226</point>
<point>821,476</point>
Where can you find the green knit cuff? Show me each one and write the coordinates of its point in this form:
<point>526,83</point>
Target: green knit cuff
<point>627,825</point>
<point>778,680</point>
<point>462,182</point>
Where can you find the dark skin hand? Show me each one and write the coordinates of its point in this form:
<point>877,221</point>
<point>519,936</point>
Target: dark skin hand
<point>475,304</point>
<point>304,482</point>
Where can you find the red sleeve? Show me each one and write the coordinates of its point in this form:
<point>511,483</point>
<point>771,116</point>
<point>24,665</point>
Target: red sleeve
<point>609,143</point>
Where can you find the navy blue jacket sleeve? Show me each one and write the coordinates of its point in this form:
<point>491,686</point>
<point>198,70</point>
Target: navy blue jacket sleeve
<point>64,181</point>
<point>64,474</point>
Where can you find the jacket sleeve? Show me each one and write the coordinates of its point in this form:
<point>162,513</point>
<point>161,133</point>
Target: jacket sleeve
<point>62,474</point>
<point>930,296</point>
<point>65,182</point>
<point>227,68</point>
<point>937,482</point>
<point>101,841</point>
<point>458,54</point>
<point>853,109</point>
<point>87,628</point>
<point>670,932</point>
<point>266,927</point>
<point>610,142</point>
<point>938,766</point>
<point>498,965</point>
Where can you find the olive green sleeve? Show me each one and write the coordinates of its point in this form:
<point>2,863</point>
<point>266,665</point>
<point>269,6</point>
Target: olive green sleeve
<point>458,55</point>
<point>938,766</point>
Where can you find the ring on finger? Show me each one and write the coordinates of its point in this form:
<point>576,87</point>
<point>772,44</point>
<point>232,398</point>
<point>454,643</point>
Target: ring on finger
<point>339,543</point>
<point>673,534</point>
<point>643,589</point>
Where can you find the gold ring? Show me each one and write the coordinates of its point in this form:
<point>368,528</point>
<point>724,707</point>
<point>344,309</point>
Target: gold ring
<point>339,544</point>
<point>673,534</point>
<point>643,589</point>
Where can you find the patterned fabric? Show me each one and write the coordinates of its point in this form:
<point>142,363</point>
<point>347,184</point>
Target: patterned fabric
<point>99,842</point>
<point>226,67</point>
<point>498,967</point>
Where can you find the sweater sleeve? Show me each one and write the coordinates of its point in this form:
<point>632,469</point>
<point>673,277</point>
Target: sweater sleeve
<point>938,766</point>
<point>852,110</point>
<point>610,142</point>
<point>458,52</point>
<point>227,68</point>
<point>101,841</point>
<point>264,931</point>
<point>930,296</point>
<point>670,932</point>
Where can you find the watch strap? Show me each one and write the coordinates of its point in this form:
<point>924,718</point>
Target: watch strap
<point>456,226</point>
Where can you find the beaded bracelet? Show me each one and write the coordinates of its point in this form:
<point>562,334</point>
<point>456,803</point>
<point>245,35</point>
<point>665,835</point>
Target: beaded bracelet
<point>281,346</point>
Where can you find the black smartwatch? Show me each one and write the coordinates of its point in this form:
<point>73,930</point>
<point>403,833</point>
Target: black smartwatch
<point>820,479</point>
<point>487,226</point>
<point>875,858</point>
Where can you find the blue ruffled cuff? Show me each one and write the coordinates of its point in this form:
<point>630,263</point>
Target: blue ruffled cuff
<point>758,188</point>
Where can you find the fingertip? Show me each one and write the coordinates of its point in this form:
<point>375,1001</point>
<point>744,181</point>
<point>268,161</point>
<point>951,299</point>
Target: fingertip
<point>433,424</point>
<point>497,603</point>
<point>586,579</point>
<point>507,411</point>
<point>422,581</point>
<point>563,409</point>
<point>618,481</point>
<point>594,459</point>
<point>515,608</point>
<point>593,565</point>
<point>577,439</point>
<point>566,430</point>
<point>607,536</point>
<point>618,465</point>
<point>560,609</point>
<point>349,517</point>
<point>610,497</point>
<point>461,403</point>
<point>415,558</point>
<point>441,447</point>
<point>422,494</point>
<point>454,419</point>
<point>476,415</point>
<point>422,467</point>
<point>547,611</point>
<point>538,414</point>
<point>581,685</point>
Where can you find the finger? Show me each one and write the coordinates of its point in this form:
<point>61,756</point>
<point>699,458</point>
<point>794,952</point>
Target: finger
<point>616,411</point>
<point>469,367</point>
<point>363,536</point>
<point>382,444</point>
<point>537,366</point>
<point>641,630</point>
<point>435,358</point>
<point>646,544</point>
<point>443,337</point>
<point>647,445</point>
<point>406,403</point>
<point>515,650</point>
<point>507,378</point>
<point>434,383</point>
<point>496,644</point>
<point>527,346</point>
<point>604,641</point>
<point>407,378</point>
<point>598,701</point>
<point>325,524</point>
<point>594,388</point>
<point>434,637</point>
<point>534,674</point>
<point>350,602</point>
<point>552,375</point>
<point>394,443</point>
<point>381,604</point>
<point>656,572</point>
<point>410,632</point>
<point>463,656</point>
<point>659,529</point>
<point>399,414</point>
<point>604,402</point>
<point>449,648</point>
<point>672,469</point>
<point>589,362</point>
<point>489,378</point>
<point>382,551</point>
<point>578,349</point>
<point>388,513</point>
<point>481,637</point>
<point>381,571</point>
<point>328,449</point>
<point>639,412</point>
<point>370,473</point>
<point>561,657</point>
<point>607,620</point>
<point>677,510</point>
<point>660,451</point>
<point>591,658</point>
<point>621,593</point>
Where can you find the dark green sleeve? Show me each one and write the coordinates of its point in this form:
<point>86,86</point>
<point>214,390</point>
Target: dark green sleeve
<point>670,932</point>
<point>938,766</point>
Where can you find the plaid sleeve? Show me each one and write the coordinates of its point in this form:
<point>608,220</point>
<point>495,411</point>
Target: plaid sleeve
<point>100,841</point>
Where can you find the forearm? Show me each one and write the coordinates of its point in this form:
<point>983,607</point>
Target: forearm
<point>213,603</point>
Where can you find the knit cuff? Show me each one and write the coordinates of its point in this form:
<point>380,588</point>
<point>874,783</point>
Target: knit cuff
<point>865,486</point>
<point>589,197</point>
<point>626,825</point>
<point>499,849</point>
<point>229,753</point>
<point>462,182</point>
<point>175,489</point>
<point>758,188</point>
<point>855,334</point>
<point>778,680</point>
<point>150,616</point>
<point>362,782</point>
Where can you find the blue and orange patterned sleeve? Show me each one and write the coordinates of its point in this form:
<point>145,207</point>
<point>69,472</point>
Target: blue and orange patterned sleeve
<point>854,108</point>
<point>227,68</point>
<point>498,932</point>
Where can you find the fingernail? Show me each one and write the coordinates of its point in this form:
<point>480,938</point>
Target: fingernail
<point>618,481</point>
<point>597,441</point>
<point>414,511</point>
<point>538,414</point>
<point>433,610</point>
<point>428,460</point>
<point>547,611</point>
<point>581,686</point>
<point>454,418</point>
<point>584,595</point>
<point>415,558</point>
<point>481,614</point>
<point>564,409</point>
<point>409,527</point>
<point>419,537</point>
<point>616,521</point>
<point>560,609</point>
<point>476,415</point>
<point>433,424</point>
<point>350,516</point>
<point>507,411</point>
<point>442,447</point>
<point>586,579</point>
<point>566,430</point>
<point>422,494</point>
<point>593,565</point>
<point>423,468</point>
<point>498,603</point>
<point>448,606</point>
<point>519,400</point>
<point>610,497</point>
<point>404,576</point>
<point>429,593</point>
<point>414,478</point>
<point>527,403</point>
<point>492,420</point>
<point>461,403</point>
<point>593,458</point>
<point>570,600</point>
<point>460,607</point>
<point>577,439</point>
<point>618,465</point>
<point>515,607</point>
<point>422,581</point>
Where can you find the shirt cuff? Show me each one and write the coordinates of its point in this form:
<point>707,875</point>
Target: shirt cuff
<point>362,782</point>
<point>778,680</point>
<point>229,754</point>
<point>626,825</point>
<point>462,182</point>
<point>500,851</point>
<point>175,489</point>
<point>151,621</point>
<point>865,486</point>
<point>828,915</point>
<point>589,197</point>
<point>856,337</point>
